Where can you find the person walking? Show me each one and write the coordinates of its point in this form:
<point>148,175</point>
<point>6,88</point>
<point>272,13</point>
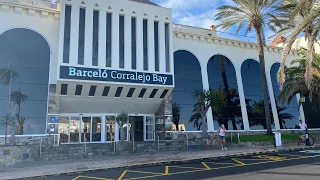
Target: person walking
<point>222,136</point>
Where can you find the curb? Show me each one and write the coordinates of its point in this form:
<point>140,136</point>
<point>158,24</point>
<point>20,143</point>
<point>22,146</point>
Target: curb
<point>222,157</point>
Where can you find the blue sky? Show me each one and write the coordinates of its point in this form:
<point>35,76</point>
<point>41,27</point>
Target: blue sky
<point>200,13</point>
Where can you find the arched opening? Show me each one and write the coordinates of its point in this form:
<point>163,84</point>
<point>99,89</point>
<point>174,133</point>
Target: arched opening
<point>288,115</point>
<point>187,78</point>
<point>253,91</point>
<point>223,81</point>
<point>26,53</point>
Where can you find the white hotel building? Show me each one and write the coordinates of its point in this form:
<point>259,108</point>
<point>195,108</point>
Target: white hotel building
<point>81,62</point>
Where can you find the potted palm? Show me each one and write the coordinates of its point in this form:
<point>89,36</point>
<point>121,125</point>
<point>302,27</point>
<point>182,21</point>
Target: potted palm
<point>121,120</point>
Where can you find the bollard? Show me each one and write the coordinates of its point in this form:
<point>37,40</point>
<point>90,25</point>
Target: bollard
<point>132,145</point>
<point>40,148</point>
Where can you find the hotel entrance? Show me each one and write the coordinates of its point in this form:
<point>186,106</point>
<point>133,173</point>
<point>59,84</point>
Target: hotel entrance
<point>142,128</point>
<point>103,128</point>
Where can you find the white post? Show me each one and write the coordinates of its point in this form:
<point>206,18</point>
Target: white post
<point>272,100</point>
<point>116,132</point>
<point>127,42</point>
<point>151,56</point>
<point>88,37</point>
<point>301,110</point>
<point>115,41</point>
<point>74,35</point>
<point>242,100</point>
<point>205,83</point>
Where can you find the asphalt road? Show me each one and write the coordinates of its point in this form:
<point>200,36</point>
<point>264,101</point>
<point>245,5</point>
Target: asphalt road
<point>291,165</point>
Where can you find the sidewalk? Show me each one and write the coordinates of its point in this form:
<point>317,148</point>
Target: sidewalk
<point>45,168</point>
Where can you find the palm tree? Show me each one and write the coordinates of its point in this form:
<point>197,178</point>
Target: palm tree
<point>176,114</point>
<point>304,18</point>
<point>18,97</point>
<point>254,15</point>
<point>295,82</point>
<point>5,122</point>
<point>122,119</point>
<point>203,103</point>
<point>6,77</point>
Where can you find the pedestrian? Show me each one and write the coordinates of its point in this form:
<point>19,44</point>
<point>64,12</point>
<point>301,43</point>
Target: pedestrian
<point>222,135</point>
<point>303,127</point>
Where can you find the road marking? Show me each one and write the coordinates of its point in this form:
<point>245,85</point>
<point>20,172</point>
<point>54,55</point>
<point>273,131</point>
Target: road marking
<point>221,163</point>
<point>166,171</point>
<point>122,175</point>
<point>184,167</point>
<point>205,165</point>
<point>90,177</point>
<point>76,178</point>
<point>143,172</point>
<point>238,161</point>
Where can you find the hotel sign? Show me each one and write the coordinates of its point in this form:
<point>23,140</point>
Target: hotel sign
<point>108,75</point>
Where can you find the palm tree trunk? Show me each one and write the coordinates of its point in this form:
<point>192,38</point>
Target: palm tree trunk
<point>310,52</point>
<point>264,80</point>
<point>226,89</point>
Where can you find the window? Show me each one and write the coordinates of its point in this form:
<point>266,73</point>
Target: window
<point>95,39</point>
<point>153,93</point>
<point>64,89</point>
<point>131,91</point>
<point>67,29</point>
<point>167,47</point>
<point>109,40</point>
<point>78,90</point>
<point>92,91</point>
<point>142,92</point>
<point>164,93</point>
<point>106,91</point>
<point>81,39</point>
<point>133,43</point>
<point>118,92</point>
<point>145,44</point>
<point>156,45</point>
<point>121,41</point>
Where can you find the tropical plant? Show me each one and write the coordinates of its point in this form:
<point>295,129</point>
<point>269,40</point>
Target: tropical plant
<point>18,97</point>
<point>295,82</point>
<point>256,113</point>
<point>303,18</point>
<point>5,122</point>
<point>6,76</point>
<point>254,15</point>
<point>121,120</point>
<point>176,114</point>
<point>203,103</point>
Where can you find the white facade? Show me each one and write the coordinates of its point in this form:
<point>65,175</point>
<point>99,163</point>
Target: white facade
<point>49,22</point>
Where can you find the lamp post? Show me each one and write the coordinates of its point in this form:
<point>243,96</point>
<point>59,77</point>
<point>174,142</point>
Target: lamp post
<point>303,100</point>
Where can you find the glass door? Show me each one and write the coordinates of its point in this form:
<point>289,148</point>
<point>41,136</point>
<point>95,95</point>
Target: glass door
<point>110,128</point>
<point>149,128</point>
<point>86,129</point>
<point>75,129</point>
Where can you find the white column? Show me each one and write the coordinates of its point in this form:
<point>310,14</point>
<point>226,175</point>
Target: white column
<point>151,59</point>
<point>139,24</point>
<point>116,132</point>
<point>272,100</point>
<point>103,129</point>
<point>162,51</point>
<point>88,37</point>
<point>74,35</point>
<point>301,110</point>
<point>205,84</point>
<point>127,42</point>
<point>242,101</point>
<point>61,36</point>
<point>171,67</point>
<point>102,38</point>
<point>115,41</point>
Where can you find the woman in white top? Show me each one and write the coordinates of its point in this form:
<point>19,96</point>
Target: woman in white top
<point>222,135</point>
